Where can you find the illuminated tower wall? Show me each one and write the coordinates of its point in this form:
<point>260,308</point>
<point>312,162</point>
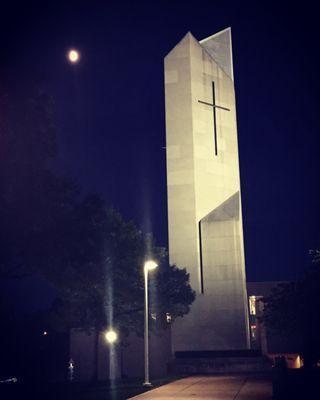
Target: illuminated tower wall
<point>204,197</point>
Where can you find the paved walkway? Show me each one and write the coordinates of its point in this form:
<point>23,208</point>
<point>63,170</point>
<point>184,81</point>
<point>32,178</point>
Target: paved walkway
<point>223,387</point>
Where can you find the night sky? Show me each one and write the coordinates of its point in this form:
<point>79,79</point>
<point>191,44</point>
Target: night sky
<point>110,113</point>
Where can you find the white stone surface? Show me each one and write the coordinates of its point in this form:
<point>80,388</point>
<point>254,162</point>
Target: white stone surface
<point>205,187</point>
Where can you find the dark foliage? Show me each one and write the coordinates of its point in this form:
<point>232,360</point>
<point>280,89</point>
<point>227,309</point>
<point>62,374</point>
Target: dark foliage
<point>85,249</point>
<point>293,308</point>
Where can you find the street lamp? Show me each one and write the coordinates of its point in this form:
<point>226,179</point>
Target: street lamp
<point>148,266</point>
<point>111,336</point>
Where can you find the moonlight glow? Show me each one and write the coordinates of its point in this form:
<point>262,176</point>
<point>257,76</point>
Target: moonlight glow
<point>73,56</point>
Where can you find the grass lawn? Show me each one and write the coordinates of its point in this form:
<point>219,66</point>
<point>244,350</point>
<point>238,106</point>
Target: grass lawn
<point>121,390</point>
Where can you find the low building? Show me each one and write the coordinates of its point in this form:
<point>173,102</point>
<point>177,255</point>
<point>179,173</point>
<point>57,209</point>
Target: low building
<point>128,360</point>
<point>271,345</point>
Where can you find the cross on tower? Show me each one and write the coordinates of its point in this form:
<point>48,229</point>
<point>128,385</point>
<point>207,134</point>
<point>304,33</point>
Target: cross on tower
<point>214,106</point>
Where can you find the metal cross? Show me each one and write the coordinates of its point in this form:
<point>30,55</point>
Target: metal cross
<point>214,106</point>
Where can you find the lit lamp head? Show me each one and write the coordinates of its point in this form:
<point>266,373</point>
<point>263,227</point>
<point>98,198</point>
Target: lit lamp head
<point>73,56</point>
<point>111,336</point>
<point>150,265</point>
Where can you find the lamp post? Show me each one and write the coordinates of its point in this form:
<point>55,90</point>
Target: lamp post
<point>148,266</point>
<point>112,337</point>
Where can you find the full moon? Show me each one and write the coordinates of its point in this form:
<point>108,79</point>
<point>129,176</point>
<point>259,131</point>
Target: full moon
<point>73,56</point>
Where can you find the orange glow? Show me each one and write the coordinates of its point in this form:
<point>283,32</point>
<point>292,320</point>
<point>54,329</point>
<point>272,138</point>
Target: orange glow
<point>293,360</point>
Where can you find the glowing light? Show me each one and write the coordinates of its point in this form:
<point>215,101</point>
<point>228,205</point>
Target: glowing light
<point>111,336</point>
<point>45,333</point>
<point>149,265</point>
<point>252,305</point>
<point>73,56</point>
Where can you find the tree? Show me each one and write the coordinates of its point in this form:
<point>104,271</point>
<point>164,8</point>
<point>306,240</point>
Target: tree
<point>105,285</point>
<point>33,200</point>
<point>48,227</point>
<point>91,255</point>
<point>293,308</point>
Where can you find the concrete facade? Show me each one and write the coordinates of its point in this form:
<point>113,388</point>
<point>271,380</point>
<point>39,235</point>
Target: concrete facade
<point>204,197</point>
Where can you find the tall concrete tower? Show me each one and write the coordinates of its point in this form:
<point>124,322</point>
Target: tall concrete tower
<point>204,198</point>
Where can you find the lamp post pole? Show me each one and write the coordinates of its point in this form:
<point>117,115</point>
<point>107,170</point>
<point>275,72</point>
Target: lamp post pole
<point>149,265</point>
<point>112,337</point>
<point>146,330</point>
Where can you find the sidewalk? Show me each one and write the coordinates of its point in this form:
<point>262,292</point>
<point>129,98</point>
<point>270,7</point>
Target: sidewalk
<point>223,387</point>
